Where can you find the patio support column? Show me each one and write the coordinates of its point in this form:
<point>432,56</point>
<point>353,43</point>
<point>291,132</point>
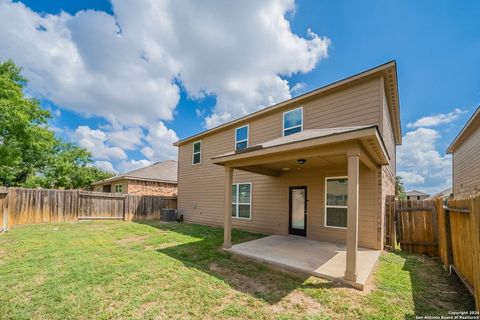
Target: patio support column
<point>227,225</point>
<point>352,215</point>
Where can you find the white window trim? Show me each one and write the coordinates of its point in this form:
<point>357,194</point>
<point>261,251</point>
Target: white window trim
<point>330,206</point>
<point>248,135</point>
<point>297,126</point>
<point>237,204</point>
<point>194,153</point>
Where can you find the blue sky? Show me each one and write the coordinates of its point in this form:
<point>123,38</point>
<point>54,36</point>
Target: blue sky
<point>193,80</point>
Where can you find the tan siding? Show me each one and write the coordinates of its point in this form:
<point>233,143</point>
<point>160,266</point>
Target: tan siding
<point>466,166</point>
<point>387,134</point>
<point>201,189</point>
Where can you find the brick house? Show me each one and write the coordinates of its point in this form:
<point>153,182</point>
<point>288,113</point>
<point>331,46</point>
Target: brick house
<point>157,179</point>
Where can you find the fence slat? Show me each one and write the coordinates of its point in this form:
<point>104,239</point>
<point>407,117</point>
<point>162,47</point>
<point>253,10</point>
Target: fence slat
<point>475,229</point>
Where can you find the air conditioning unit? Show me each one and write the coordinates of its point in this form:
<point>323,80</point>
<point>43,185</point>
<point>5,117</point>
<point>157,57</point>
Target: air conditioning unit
<point>168,215</point>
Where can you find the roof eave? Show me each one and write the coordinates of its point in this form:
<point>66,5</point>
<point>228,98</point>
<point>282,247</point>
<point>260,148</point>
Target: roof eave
<point>333,138</point>
<point>379,69</point>
<point>453,146</point>
<point>113,179</point>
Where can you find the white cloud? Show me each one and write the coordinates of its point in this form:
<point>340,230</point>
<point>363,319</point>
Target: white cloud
<point>125,166</point>
<point>125,138</point>
<point>435,120</point>
<point>127,67</point>
<point>160,140</point>
<point>95,141</point>
<point>420,164</point>
<point>105,165</point>
<point>411,178</point>
<point>124,66</point>
<point>81,63</point>
<point>298,88</point>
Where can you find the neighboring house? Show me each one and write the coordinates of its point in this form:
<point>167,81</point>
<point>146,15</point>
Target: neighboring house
<point>319,165</point>
<point>444,194</point>
<point>416,195</point>
<point>465,150</point>
<point>157,179</point>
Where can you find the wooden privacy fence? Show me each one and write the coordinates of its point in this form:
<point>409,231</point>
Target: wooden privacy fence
<point>459,240</point>
<point>447,229</point>
<point>30,206</point>
<point>412,226</point>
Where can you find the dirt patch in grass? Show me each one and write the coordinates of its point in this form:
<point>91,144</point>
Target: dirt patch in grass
<point>241,282</point>
<point>133,239</point>
<point>294,300</point>
<point>297,301</point>
<point>144,309</point>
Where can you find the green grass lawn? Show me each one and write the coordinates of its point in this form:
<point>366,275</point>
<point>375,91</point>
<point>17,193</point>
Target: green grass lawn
<point>123,270</point>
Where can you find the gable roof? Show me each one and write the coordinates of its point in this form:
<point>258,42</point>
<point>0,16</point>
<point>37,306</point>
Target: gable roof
<point>388,70</point>
<point>442,194</point>
<point>472,124</point>
<point>165,171</point>
<point>416,193</point>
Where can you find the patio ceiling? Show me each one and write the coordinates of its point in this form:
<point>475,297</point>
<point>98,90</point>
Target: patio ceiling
<point>319,147</point>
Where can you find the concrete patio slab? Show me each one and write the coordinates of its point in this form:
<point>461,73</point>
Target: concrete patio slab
<point>317,258</point>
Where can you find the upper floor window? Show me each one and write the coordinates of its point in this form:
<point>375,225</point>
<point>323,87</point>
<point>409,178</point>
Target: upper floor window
<point>292,121</point>
<point>241,138</point>
<point>118,188</point>
<point>197,152</point>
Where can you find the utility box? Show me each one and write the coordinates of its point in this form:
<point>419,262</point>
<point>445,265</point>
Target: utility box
<point>168,215</point>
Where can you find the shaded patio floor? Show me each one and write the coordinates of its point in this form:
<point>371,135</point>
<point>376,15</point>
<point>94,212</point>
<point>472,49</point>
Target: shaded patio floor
<point>317,258</point>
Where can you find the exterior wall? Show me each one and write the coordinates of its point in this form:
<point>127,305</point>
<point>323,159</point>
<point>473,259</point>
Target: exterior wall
<point>386,129</point>
<point>201,186</point>
<point>152,188</point>
<point>386,188</point>
<point>388,173</point>
<point>270,204</point>
<point>422,197</point>
<point>124,183</point>
<point>466,166</point>
<point>142,187</point>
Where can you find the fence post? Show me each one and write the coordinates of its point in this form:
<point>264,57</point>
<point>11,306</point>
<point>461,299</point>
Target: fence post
<point>5,213</point>
<point>448,238</point>
<point>475,224</point>
<point>126,208</point>
<point>11,207</point>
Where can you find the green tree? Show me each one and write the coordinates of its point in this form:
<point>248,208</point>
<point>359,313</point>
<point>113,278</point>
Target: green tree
<point>399,189</point>
<point>30,154</point>
<point>69,167</point>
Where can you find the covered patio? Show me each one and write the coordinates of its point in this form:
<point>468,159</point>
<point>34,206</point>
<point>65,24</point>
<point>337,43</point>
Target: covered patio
<point>317,258</point>
<point>346,148</point>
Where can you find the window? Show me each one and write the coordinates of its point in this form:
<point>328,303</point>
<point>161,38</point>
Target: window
<point>241,200</point>
<point>241,138</point>
<point>118,188</point>
<point>292,121</point>
<point>197,152</point>
<point>336,190</point>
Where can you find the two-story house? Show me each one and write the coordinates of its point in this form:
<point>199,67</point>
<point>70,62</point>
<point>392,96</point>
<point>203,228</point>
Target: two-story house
<point>465,151</point>
<point>319,165</point>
